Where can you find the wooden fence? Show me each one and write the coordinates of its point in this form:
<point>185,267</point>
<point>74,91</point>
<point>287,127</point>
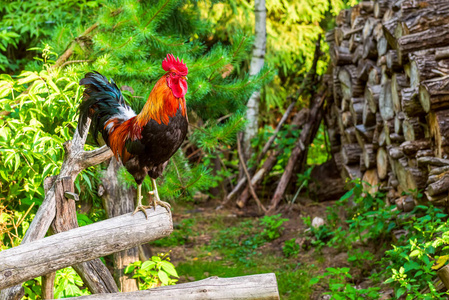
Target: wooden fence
<point>81,247</point>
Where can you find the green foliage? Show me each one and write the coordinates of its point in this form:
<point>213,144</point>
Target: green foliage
<point>180,235</point>
<point>320,235</point>
<point>272,226</point>
<point>318,152</point>
<point>290,248</point>
<point>292,28</point>
<point>154,272</point>
<point>67,284</point>
<point>340,289</point>
<point>39,116</point>
<point>409,266</point>
<point>24,24</point>
<point>242,242</point>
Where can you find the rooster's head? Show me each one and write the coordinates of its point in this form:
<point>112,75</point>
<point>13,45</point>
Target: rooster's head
<point>176,75</point>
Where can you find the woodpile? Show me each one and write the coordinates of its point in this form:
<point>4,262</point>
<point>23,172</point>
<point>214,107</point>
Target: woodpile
<point>388,121</point>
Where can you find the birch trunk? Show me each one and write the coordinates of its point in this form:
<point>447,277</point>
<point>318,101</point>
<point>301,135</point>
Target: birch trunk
<point>257,62</point>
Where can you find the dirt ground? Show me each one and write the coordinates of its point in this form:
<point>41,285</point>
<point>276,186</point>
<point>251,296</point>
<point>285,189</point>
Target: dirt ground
<point>206,213</point>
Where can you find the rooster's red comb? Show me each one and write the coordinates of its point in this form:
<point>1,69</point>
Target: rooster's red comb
<point>170,63</point>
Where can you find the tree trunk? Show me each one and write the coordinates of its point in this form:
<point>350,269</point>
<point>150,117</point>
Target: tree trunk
<point>257,62</point>
<point>119,200</point>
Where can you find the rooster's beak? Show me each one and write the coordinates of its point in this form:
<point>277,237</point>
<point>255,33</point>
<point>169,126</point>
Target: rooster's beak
<point>185,77</point>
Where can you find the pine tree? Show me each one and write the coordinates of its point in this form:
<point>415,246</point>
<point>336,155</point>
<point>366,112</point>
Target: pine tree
<point>130,40</point>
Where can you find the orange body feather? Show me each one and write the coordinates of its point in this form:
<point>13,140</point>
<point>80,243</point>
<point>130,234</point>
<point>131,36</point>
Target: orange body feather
<point>160,106</point>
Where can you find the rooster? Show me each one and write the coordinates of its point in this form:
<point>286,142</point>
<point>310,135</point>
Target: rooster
<point>146,141</point>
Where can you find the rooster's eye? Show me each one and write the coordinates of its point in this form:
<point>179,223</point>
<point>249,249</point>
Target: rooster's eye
<point>174,74</point>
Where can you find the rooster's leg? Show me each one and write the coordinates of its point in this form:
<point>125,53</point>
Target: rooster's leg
<point>156,199</point>
<point>139,205</point>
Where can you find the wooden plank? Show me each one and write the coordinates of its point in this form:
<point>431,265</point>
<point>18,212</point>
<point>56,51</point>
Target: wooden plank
<point>261,287</point>
<point>82,244</point>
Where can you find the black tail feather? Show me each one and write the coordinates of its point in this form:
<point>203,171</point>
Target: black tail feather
<point>101,100</point>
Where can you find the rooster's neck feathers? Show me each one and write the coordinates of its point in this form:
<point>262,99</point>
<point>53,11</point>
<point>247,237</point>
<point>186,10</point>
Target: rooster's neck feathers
<point>161,105</point>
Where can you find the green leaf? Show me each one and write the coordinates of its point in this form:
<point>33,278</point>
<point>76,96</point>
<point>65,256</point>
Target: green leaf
<point>169,268</point>
<point>129,269</point>
<point>163,277</point>
<point>314,280</point>
<point>148,265</point>
<point>400,292</point>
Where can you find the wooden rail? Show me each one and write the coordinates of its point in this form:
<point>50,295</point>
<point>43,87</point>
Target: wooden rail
<point>82,244</point>
<point>261,287</point>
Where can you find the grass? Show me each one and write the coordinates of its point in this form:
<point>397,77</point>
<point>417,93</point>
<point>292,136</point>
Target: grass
<point>238,247</point>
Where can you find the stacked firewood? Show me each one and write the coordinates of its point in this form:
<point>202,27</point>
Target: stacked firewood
<point>388,122</point>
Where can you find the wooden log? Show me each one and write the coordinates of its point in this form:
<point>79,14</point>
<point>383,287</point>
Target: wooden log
<point>439,131</point>
<point>439,187</point>
<point>424,66</point>
<point>380,7</point>
<point>418,16</point>
<point>393,61</point>
<point>395,152</point>
<point>386,101</point>
<point>338,94</point>
<point>370,48</point>
<point>432,38</point>
<point>396,138</point>
<point>118,200</point>
<point>442,53</point>
<point>351,86</point>
<point>398,119</point>
<point>350,134</point>
<point>443,274</point>
<point>368,116</point>
<point>252,287</point>
<point>299,152</point>
<point>399,82</point>
<point>374,76</point>
<point>82,244</point>
<point>355,41</point>
<point>343,17</point>
<point>351,171</point>
<point>411,105</point>
<point>76,160</point>
<point>329,36</point>
<point>389,131</point>
<point>368,27</point>
<point>410,148</point>
<point>364,135</point>
<point>351,153</point>
<point>343,33</point>
<point>362,166</point>
<point>382,163</point>
<point>364,66</point>
<point>412,129</point>
<point>48,282</point>
<point>341,55</point>
<point>389,27</point>
<point>357,54</point>
<point>372,93</point>
<point>369,155</point>
<point>433,94</point>
<point>257,178</point>
<point>371,181</point>
<point>405,203</point>
<point>433,161</point>
<point>94,274</point>
<point>347,119</point>
<point>356,109</point>
<point>326,183</point>
<point>439,170</point>
<point>424,152</point>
